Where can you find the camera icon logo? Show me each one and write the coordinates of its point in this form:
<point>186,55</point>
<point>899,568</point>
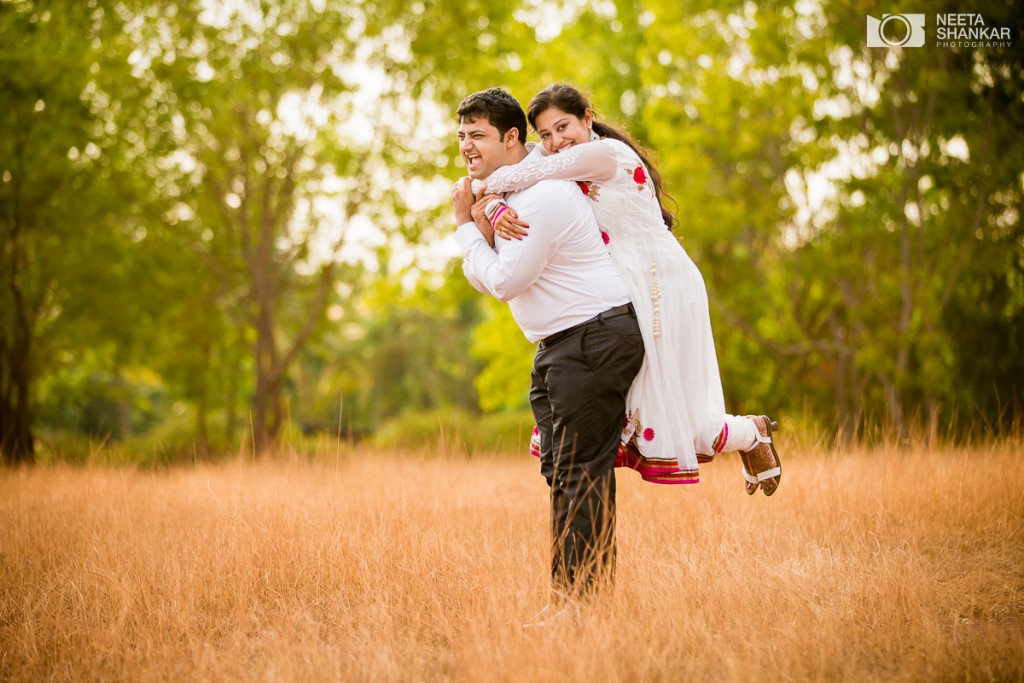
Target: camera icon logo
<point>904,30</point>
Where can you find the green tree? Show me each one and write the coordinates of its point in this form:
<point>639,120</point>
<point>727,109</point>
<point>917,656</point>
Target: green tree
<point>258,96</point>
<point>399,343</point>
<point>66,191</point>
<point>507,357</point>
<point>181,182</point>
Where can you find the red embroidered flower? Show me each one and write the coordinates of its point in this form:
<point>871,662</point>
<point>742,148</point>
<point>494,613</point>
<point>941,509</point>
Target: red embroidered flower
<point>639,177</point>
<point>605,237</point>
<point>649,434</point>
<point>589,189</point>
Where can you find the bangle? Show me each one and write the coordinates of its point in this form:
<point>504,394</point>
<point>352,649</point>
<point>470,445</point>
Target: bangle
<point>497,214</point>
<point>492,206</point>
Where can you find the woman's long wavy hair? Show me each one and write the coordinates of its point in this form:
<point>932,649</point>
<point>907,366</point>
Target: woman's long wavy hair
<point>572,101</point>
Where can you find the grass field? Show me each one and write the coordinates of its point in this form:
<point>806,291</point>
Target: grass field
<point>867,565</point>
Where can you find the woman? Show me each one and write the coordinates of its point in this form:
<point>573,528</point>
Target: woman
<point>675,409</point>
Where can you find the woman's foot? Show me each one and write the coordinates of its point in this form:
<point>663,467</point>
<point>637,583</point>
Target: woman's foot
<point>749,481</point>
<point>761,465</point>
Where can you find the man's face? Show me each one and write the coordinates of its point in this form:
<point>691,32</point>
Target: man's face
<point>482,148</point>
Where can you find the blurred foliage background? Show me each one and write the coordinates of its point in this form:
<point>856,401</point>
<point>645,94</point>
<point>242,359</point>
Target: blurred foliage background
<point>226,224</point>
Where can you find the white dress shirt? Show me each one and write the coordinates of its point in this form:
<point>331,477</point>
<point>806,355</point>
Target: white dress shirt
<point>559,275</point>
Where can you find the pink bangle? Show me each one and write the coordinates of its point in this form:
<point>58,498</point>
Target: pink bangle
<point>497,214</point>
<point>492,206</point>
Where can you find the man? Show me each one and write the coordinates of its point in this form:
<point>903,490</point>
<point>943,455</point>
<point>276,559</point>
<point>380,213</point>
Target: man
<point>565,293</point>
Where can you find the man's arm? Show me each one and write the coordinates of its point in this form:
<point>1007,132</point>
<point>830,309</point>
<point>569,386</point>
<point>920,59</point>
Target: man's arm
<point>477,284</point>
<point>469,207</point>
<point>507,274</point>
<point>463,205</point>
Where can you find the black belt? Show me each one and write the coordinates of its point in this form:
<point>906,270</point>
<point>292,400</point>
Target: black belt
<point>624,309</point>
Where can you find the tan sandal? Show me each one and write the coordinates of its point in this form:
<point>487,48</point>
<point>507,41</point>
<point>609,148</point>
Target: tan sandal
<point>761,465</point>
<point>750,482</point>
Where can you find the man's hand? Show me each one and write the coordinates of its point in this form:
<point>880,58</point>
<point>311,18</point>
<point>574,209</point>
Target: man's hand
<point>462,201</point>
<point>478,212</point>
<point>469,208</point>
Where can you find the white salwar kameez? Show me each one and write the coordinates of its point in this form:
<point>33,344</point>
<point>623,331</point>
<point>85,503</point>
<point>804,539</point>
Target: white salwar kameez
<point>675,408</point>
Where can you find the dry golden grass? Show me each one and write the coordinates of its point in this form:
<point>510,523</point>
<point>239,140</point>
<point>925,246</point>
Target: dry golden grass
<point>866,565</point>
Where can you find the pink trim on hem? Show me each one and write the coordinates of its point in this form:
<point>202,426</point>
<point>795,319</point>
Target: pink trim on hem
<point>670,482</point>
<point>723,437</point>
<point>629,458</point>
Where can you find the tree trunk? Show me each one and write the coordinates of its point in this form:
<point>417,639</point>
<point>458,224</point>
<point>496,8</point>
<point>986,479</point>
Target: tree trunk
<point>894,404</point>
<point>843,398</point>
<point>17,444</point>
<point>265,415</point>
<point>202,433</point>
<point>933,423</point>
<point>265,422</point>
<point>231,426</point>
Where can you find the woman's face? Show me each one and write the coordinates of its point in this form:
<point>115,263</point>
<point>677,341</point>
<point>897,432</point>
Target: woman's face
<point>559,130</point>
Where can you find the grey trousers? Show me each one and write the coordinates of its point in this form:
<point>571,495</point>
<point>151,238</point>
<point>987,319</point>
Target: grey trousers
<point>578,396</point>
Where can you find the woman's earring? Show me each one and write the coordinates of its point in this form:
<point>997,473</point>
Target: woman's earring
<point>594,136</point>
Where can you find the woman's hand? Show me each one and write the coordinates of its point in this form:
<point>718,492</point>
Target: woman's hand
<point>509,226</point>
<point>480,207</point>
<point>502,218</point>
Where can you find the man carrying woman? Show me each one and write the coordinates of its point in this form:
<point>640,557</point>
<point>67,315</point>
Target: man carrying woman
<point>565,294</point>
<point>675,414</point>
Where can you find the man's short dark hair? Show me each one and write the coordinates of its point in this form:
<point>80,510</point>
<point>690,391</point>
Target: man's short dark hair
<point>497,106</point>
